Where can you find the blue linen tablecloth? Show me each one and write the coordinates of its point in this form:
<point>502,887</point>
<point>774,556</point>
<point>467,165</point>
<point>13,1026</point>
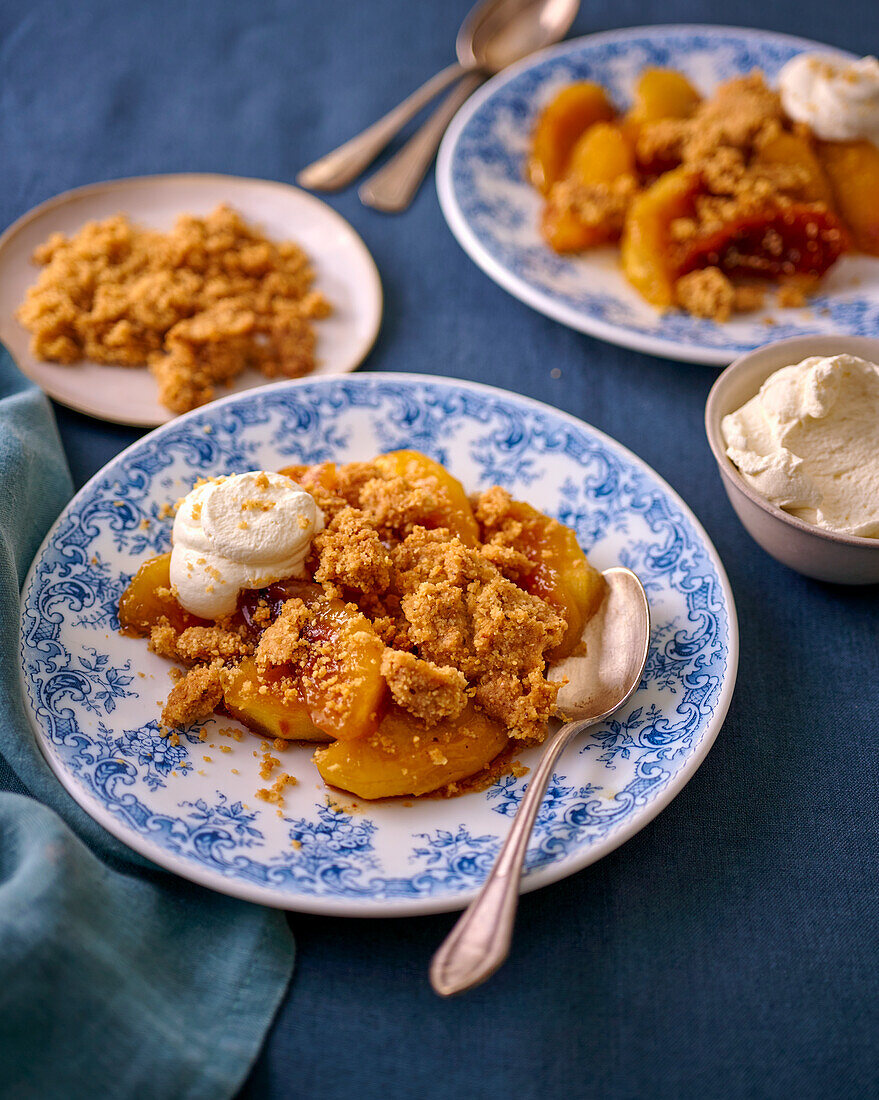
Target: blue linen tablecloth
<point>112,983</point>
<point>731,949</point>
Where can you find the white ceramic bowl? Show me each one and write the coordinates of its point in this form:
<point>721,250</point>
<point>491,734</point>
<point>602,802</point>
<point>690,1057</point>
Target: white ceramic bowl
<point>842,559</point>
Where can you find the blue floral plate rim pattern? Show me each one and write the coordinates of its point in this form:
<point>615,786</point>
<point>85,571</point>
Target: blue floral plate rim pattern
<point>493,212</point>
<point>96,722</point>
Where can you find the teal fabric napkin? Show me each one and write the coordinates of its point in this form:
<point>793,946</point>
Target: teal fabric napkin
<point>116,978</point>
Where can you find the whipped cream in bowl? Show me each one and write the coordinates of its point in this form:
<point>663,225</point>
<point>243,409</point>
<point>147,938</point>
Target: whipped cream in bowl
<point>838,98</point>
<point>808,442</point>
<point>794,429</point>
<point>236,533</point>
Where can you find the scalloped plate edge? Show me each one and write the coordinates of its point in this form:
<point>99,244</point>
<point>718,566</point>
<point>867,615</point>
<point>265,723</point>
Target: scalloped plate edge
<point>343,907</point>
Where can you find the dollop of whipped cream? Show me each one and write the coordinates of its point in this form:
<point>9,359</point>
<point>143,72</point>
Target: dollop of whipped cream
<point>240,532</point>
<point>808,442</point>
<point>837,98</point>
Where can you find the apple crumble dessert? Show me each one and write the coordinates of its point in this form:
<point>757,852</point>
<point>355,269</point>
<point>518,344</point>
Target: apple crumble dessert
<point>372,607</point>
<point>714,200</point>
<point>198,304</point>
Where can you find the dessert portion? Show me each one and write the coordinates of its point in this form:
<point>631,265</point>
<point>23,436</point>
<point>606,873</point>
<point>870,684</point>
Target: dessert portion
<point>808,442</point>
<point>372,607</point>
<point>715,200</point>
<point>198,305</point>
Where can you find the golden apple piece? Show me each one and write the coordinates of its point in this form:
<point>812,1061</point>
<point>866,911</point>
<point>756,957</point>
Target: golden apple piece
<point>304,702</point>
<point>267,712</point>
<point>569,114</point>
<point>646,243</point>
<point>660,94</point>
<point>795,150</point>
<point>148,599</point>
<point>564,232</point>
<point>563,576</point>
<point>403,757</point>
<point>602,154</point>
<point>853,170</point>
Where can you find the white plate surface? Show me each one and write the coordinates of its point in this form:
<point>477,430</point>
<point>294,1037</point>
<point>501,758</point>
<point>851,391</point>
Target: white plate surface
<point>344,270</point>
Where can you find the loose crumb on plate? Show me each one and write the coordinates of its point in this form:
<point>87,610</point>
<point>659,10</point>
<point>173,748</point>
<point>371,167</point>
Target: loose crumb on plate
<point>275,793</point>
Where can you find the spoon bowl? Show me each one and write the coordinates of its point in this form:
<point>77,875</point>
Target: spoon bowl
<point>616,641</point>
<point>497,33</point>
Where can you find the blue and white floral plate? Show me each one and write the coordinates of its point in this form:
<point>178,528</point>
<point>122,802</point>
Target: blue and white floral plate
<point>494,213</point>
<point>94,696</point>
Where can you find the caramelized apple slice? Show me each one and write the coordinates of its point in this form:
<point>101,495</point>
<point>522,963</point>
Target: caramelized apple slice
<point>800,239</point>
<point>267,712</point>
<point>601,155</point>
<point>454,509</point>
<point>573,110</point>
<point>274,597</point>
<point>564,232</point>
<point>853,168</point>
<point>323,474</point>
<point>352,662</point>
<point>646,244</point>
<point>148,599</point>
<point>404,758</point>
<point>659,94</point>
<point>795,150</point>
<point>355,663</point>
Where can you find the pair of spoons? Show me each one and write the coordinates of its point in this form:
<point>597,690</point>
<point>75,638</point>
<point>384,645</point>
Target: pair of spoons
<point>615,641</point>
<point>494,35</point>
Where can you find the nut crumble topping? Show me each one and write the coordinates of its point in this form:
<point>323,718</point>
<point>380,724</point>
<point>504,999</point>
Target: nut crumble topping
<point>198,304</point>
<point>194,696</point>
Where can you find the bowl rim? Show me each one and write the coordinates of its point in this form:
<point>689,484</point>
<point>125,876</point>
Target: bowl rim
<point>731,473</point>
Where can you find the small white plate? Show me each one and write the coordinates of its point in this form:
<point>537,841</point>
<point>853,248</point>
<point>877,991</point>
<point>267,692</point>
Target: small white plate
<point>494,212</point>
<point>94,696</point>
<point>344,269</point>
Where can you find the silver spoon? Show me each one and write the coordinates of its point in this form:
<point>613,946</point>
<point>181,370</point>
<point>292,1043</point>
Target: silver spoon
<point>494,34</point>
<point>617,639</point>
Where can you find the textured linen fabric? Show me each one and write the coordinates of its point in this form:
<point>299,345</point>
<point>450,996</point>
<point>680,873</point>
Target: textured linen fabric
<point>113,983</point>
<point>730,948</point>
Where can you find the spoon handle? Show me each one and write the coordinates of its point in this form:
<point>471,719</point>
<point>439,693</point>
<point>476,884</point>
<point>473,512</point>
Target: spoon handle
<point>480,941</point>
<point>394,185</point>
<point>343,165</point>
